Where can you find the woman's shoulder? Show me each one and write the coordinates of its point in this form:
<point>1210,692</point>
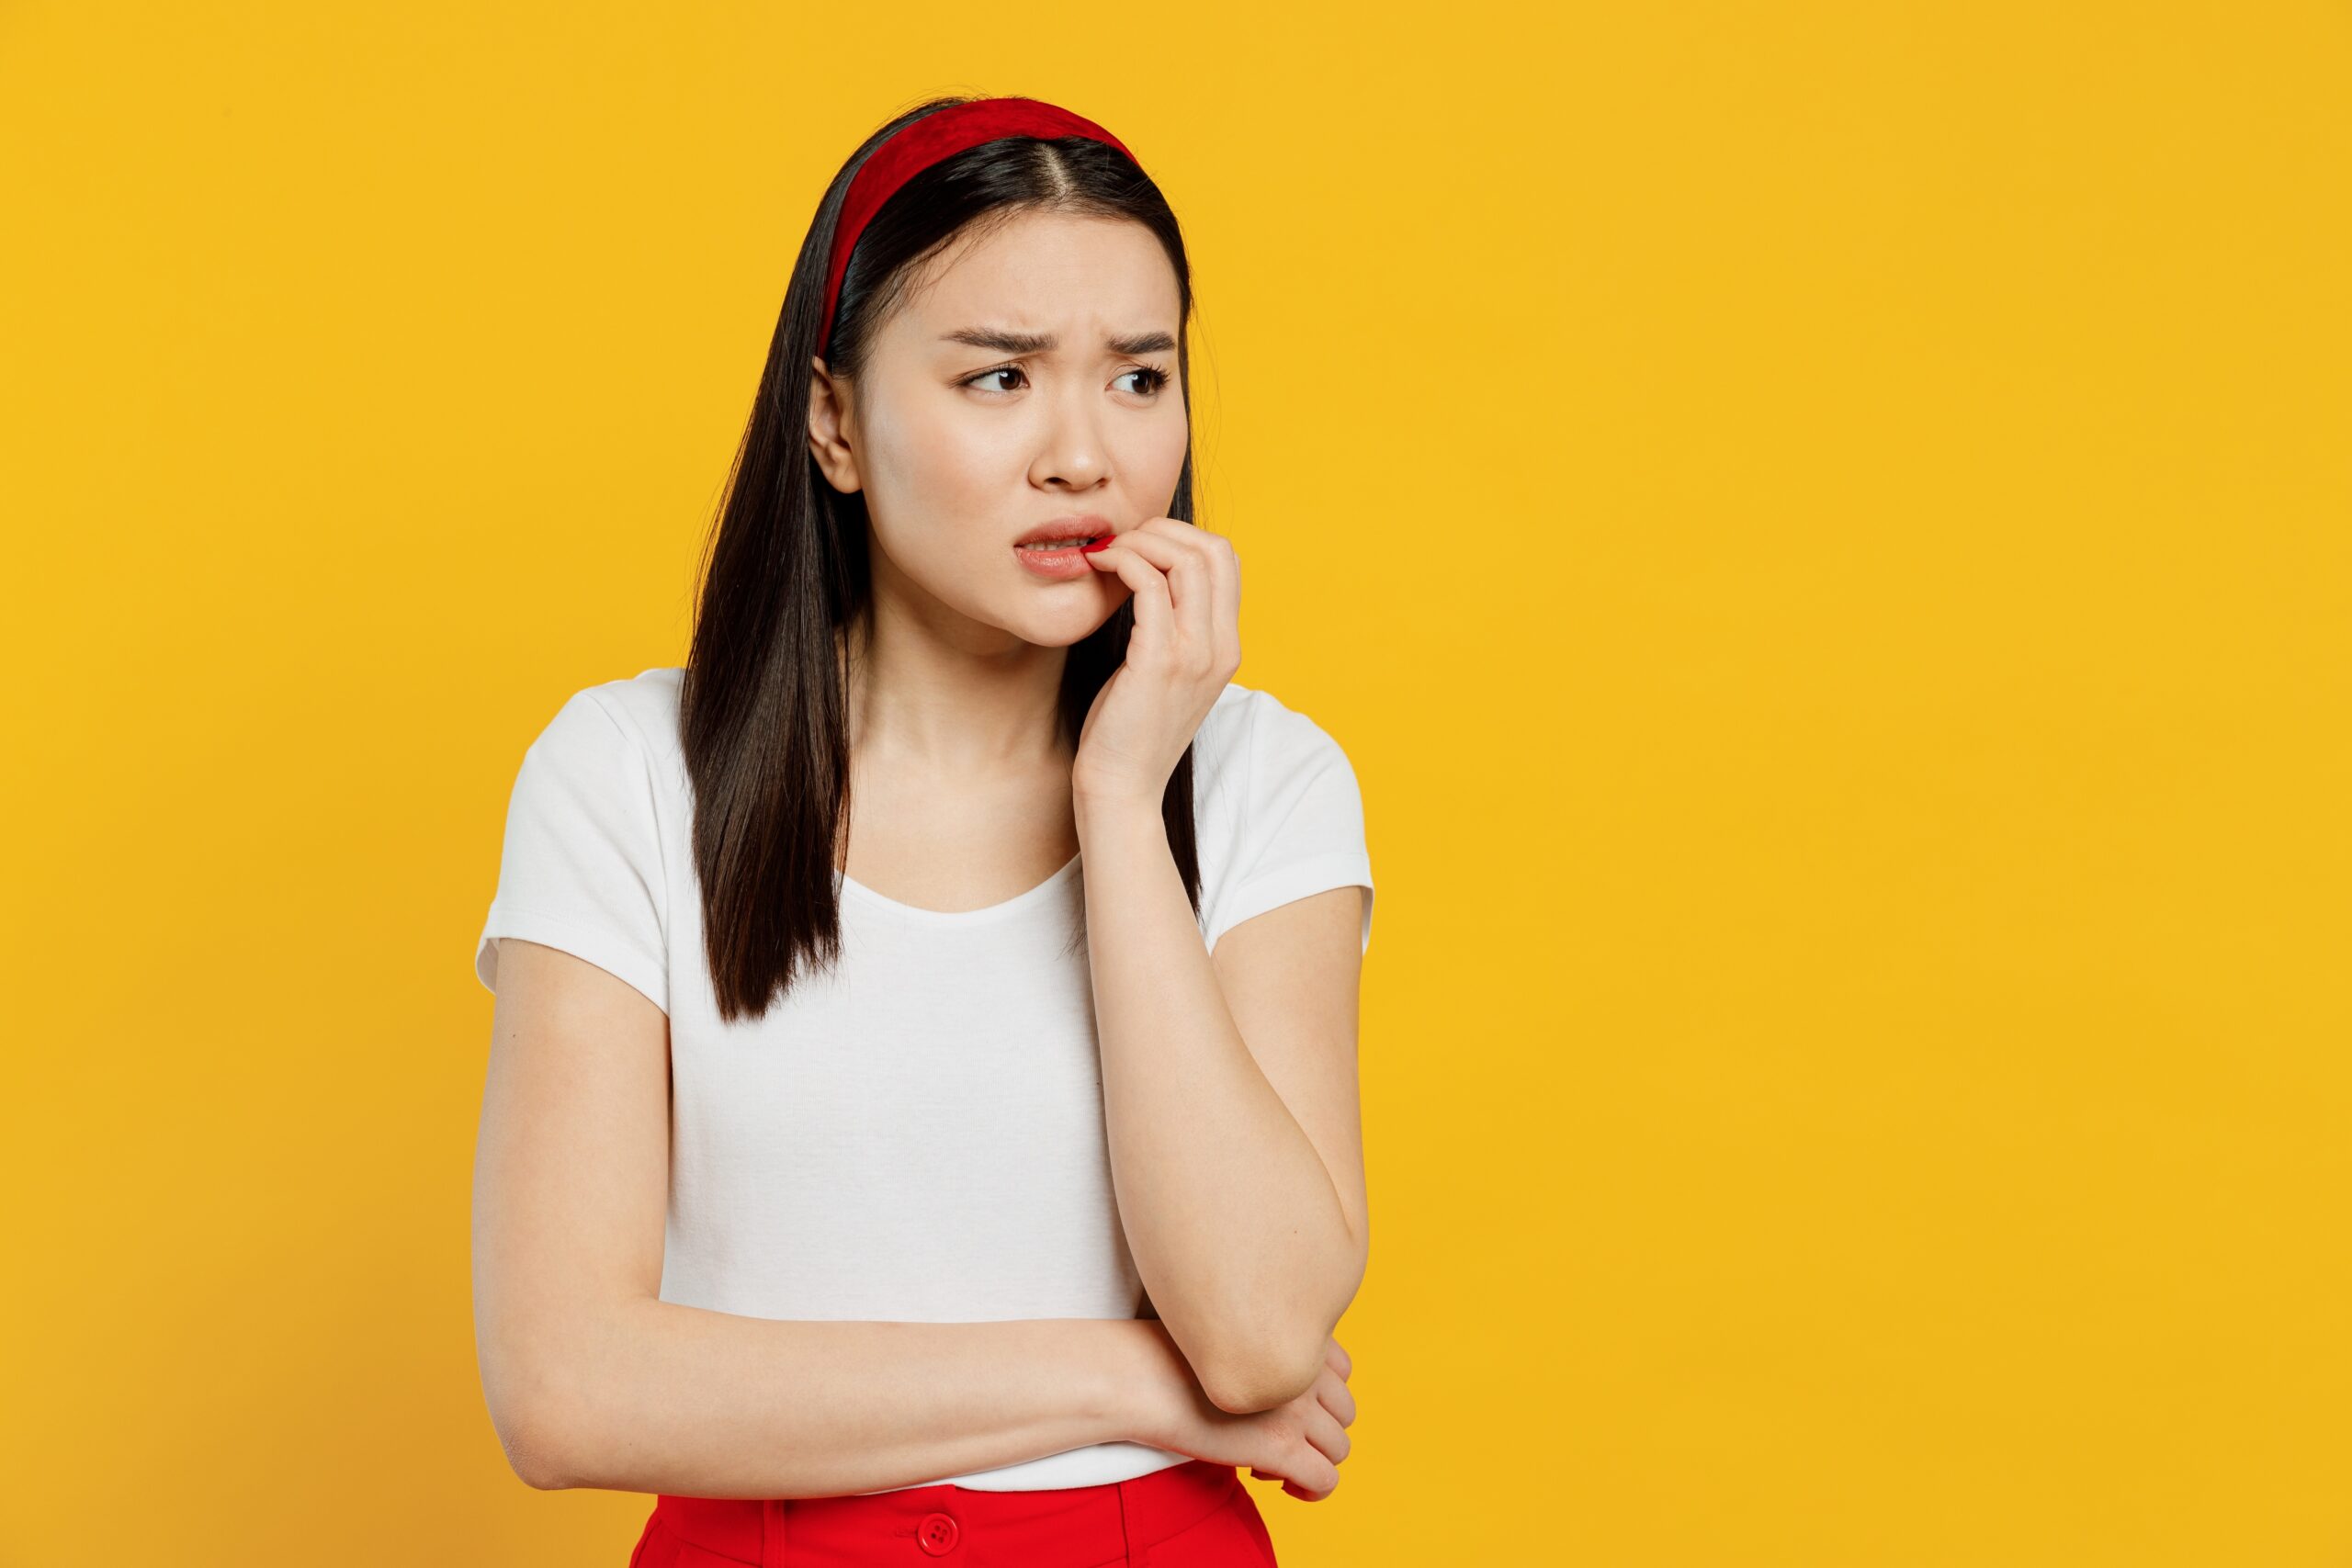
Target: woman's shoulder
<point>1223,737</point>
<point>615,736</point>
<point>644,706</point>
<point>1251,739</point>
<point>1278,813</point>
<point>1246,715</point>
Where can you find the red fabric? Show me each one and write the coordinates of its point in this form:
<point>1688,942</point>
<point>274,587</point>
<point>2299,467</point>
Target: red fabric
<point>918,146</point>
<point>1195,1515</point>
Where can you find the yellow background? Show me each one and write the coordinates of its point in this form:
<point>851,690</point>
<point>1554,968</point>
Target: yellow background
<point>1823,528</point>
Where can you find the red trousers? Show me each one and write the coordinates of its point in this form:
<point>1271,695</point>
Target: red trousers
<point>1195,1515</point>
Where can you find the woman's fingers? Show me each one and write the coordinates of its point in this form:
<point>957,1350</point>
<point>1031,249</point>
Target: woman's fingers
<point>1170,552</point>
<point>1155,615</point>
<point>1328,1438</point>
<point>1185,573</point>
<point>1224,567</point>
<point>1204,578</point>
<point>1217,567</point>
<point>1341,1401</point>
<point>1322,1417</point>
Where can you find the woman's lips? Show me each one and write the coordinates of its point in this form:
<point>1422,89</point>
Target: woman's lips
<point>1064,562</point>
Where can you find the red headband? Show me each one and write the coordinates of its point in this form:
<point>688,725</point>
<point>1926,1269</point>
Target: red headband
<point>922,143</point>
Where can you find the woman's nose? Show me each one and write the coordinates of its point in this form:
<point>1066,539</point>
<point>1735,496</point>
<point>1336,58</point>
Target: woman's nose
<point>1072,449</point>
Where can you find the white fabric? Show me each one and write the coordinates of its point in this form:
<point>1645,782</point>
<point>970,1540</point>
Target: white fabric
<point>916,1135</point>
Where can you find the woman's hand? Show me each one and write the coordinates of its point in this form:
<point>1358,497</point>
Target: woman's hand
<point>1186,646</point>
<point>1299,1444</point>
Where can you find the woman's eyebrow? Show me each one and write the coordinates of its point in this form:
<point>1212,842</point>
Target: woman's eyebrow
<point>1003,342</point>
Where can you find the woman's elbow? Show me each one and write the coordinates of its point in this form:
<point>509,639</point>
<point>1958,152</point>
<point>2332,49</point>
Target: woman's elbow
<point>537,1424</point>
<point>1244,1386</point>
<point>535,1450</point>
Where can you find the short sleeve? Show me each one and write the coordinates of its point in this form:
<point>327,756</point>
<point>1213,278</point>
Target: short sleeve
<point>1302,826</point>
<point>582,866</point>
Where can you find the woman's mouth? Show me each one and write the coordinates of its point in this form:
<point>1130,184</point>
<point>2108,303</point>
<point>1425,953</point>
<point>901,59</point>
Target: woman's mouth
<point>1061,557</point>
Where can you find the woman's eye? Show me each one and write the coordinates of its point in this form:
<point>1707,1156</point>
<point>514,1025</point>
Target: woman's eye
<point>1154,380</point>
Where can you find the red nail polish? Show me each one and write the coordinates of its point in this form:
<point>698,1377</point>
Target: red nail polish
<point>1090,549</point>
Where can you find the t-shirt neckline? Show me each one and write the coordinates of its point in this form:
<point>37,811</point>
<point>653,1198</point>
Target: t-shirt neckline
<point>1019,901</point>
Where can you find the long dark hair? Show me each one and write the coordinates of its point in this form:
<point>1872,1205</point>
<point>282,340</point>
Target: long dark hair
<point>765,709</point>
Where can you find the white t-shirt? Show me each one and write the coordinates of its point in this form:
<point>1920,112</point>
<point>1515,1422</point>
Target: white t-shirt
<point>916,1135</point>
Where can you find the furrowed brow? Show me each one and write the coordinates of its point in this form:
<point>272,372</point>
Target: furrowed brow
<point>1000,341</point>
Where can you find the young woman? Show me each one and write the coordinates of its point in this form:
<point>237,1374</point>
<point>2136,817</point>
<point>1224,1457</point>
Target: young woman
<point>922,1114</point>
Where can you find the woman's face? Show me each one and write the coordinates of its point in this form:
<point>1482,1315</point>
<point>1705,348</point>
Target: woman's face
<point>963,444</point>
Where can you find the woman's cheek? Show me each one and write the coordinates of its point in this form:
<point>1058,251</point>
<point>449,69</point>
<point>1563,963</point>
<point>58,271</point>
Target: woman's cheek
<point>948,463</point>
<point>1168,458</point>
<point>918,468</point>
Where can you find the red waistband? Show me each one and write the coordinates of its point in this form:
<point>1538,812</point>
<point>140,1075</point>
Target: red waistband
<point>1068,1526</point>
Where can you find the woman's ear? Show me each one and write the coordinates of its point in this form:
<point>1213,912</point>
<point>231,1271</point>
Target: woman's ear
<point>829,416</point>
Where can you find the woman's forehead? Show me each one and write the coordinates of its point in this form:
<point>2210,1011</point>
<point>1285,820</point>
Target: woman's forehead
<point>1041,272</point>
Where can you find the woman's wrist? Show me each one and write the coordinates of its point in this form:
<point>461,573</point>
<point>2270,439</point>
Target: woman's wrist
<point>1149,1393</point>
<point>1116,806</point>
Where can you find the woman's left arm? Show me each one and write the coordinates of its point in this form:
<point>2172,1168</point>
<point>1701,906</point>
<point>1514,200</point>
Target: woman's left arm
<point>1228,1079</point>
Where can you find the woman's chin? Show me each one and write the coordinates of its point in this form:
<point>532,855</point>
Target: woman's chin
<point>1075,617</point>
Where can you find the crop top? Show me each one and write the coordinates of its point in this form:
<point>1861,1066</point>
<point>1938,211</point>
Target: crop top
<point>916,1135</point>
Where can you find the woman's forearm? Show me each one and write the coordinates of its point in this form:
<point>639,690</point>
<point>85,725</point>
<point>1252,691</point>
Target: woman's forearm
<point>1229,1211</point>
<point>678,1399</point>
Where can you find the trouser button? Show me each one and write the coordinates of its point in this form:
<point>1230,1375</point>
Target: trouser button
<point>937,1533</point>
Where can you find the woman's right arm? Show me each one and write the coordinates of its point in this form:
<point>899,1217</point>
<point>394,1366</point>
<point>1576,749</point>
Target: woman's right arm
<point>594,1381</point>
<point>671,1398</point>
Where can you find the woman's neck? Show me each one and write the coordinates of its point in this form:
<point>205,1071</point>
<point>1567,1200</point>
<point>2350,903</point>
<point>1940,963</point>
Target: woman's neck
<point>947,708</point>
